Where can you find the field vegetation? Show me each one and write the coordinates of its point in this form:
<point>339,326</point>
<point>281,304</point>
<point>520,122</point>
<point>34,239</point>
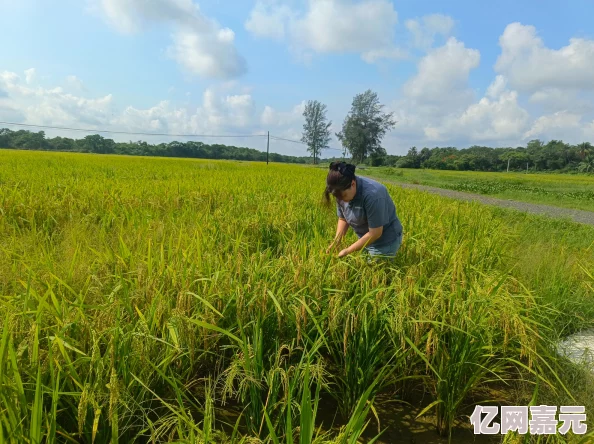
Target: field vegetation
<point>182,300</point>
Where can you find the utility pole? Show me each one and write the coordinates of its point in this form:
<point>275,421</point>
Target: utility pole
<point>267,147</point>
<point>508,164</point>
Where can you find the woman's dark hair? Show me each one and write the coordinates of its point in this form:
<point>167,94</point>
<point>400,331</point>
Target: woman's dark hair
<point>340,178</point>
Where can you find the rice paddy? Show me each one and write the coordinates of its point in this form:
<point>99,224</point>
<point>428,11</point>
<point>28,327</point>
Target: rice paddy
<point>177,300</point>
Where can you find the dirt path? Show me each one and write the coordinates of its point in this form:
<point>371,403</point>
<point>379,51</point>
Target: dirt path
<point>580,216</point>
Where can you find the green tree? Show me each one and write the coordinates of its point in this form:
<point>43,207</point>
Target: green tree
<point>587,163</point>
<point>5,138</point>
<point>584,150</point>
<point>538,155</point>
<point>414,158</point>
<point>62,144</point>
<point>464,162</point>
<point>378,157</point>
<point>515,159</point>
<point>316,129</point>
<point>424,155</point>
<point>28,140</point>
<point>98,144</point>
<point>93,143</point>
<point>365,126</point>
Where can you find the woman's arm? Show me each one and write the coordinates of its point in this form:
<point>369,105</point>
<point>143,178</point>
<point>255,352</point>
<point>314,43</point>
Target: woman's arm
<point>341,229</point>
<point>370,237</point>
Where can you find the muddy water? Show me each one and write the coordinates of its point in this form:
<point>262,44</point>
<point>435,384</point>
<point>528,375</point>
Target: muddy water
<point>579,348</point>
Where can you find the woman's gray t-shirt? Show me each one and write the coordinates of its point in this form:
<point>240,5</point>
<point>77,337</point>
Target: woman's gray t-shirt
<point>372,207</point>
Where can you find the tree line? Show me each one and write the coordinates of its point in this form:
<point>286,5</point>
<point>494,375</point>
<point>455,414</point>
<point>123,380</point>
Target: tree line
<point>537,155</point>
<point>95,143</point>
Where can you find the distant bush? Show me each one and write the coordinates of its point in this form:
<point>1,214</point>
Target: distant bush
<point>390,171</point>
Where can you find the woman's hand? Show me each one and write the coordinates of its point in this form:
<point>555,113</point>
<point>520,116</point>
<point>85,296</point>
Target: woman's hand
<point>344,252</point>
<point>333,245</point>
<point>341,230</point>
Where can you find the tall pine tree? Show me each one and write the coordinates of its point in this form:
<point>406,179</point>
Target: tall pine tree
<point>316,129</point>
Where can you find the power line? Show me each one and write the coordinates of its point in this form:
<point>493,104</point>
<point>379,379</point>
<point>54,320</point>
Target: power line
<point>302,143</point>
<point>129,132</point>
<point>287,140</point>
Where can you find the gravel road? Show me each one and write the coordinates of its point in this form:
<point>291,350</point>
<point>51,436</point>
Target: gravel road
<point>580,216</point>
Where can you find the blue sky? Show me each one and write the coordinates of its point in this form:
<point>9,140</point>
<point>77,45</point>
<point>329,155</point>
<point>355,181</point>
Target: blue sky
<point>454,73</point>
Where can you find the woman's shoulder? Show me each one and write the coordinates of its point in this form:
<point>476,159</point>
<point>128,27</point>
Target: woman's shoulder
<point>373,189</point>
<point>370,181</point>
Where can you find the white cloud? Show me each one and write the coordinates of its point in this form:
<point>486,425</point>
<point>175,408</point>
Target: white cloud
<point>240,110</point>
<point>218,113</point>
<point>268,115</point>
<point>74,82</point>
<point>159,118</point>
<point>209,55</point>
<point>9,78</point>
<point>496,88</point>
<point>438,105</point>
<point>378,54</point>
<point>558,82</point>
<point>29,75</point>
<point>553,100</point>
<point>9,114</point>
<point>200,44</point>
<point>428,27</point>
<point>442,77</point>
<point>548,95</point>
<point>588,131</point>
<point>530,65</point>
<point>130,16</point>
<point>366,27</point>
<point>560,125</point>
<point>123,22</point>
<point>272,117</point>
<point>54,105</point>
<point>339,26</point>
<point>436,97</point>
<point>268,20</point>
<point>497,117</point>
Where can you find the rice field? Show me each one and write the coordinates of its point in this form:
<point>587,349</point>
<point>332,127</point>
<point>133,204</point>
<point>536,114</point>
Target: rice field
<point>175,300</point>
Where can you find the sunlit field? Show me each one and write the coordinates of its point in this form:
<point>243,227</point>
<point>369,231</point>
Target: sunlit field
<point>176,300</point>
<point>562,190</point>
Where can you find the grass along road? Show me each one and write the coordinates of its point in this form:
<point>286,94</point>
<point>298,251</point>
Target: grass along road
<point>579,216</point>
<point>560,190</point>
